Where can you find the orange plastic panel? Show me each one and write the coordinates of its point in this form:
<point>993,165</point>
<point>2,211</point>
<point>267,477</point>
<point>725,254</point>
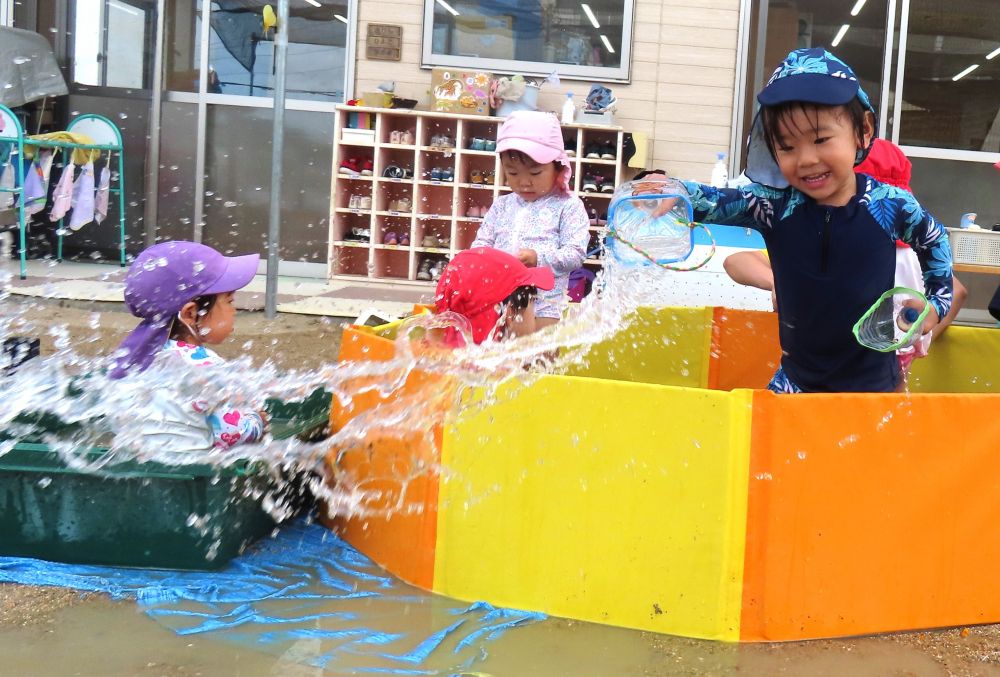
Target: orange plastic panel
<point>870,513</point>
<point>395,470</point>
<point>745,350</point>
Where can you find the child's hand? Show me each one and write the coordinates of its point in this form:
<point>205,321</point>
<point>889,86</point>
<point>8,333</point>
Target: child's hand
<point>932,318</point>
<point>528,257</point>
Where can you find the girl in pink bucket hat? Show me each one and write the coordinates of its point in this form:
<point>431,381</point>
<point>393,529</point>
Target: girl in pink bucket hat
<point>540,222</point>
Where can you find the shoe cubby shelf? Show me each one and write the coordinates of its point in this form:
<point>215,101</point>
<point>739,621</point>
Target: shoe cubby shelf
<point>402,204</point>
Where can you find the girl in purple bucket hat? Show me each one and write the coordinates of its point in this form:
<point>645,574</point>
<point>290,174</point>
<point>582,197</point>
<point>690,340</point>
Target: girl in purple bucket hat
<point>183,292</point>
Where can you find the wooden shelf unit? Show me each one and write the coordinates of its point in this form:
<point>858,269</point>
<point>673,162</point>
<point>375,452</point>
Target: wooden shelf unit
<point>439,208</point>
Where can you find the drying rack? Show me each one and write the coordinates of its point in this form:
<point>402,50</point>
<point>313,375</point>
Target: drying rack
<point>107,138</point>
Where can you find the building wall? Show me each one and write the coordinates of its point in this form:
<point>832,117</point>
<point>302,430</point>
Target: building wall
<point>683,75</point>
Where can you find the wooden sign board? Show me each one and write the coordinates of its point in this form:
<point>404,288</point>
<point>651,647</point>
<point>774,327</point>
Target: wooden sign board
<point>384,42</point>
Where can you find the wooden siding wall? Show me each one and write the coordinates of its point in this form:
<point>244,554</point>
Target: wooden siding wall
<point>683,63</point>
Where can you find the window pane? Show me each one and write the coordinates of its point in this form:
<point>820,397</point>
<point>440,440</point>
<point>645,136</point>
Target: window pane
<point>182,54</point>
<point>241,55</point>
<point>943,41</point>
<point>238,182</point>
<point>950,188</point>
<point>779,27</point>
<point>549,33</point>
<point>112,42</point>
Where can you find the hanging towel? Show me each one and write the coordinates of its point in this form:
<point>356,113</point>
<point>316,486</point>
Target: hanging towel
<point>80,155</point>
<point>62,197</point>
<point>7,184</point>
<point>101,201</point>
<point>36,182</point>
<point>83,198</point>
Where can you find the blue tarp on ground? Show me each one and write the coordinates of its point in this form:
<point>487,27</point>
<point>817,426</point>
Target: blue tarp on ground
<point>304,594</point>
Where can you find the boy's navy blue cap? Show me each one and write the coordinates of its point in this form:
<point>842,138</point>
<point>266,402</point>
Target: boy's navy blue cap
<point>811,76</point>
<point>811,88</point>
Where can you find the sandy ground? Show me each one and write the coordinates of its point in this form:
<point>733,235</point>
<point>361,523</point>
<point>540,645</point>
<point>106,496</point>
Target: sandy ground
<point>299,341</point>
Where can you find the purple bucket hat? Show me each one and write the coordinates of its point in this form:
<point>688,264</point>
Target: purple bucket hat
<point>160,281</point>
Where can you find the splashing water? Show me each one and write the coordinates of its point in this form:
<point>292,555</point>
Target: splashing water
<point>110,414</point>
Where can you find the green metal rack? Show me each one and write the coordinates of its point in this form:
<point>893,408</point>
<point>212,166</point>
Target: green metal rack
<point>107,138</point>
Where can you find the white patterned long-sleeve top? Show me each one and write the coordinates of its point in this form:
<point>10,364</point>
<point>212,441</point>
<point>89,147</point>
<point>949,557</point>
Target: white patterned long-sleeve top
<point>555,226</point>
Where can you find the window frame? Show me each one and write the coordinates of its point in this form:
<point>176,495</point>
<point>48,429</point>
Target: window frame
<point>621,73</point>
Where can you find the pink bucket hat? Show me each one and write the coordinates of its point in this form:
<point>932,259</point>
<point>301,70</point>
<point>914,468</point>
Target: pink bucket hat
<point>537,135</point>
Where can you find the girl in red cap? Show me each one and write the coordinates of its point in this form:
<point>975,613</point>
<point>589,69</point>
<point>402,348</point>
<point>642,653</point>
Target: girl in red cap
<point>541,222</point>
<point>494,291</point>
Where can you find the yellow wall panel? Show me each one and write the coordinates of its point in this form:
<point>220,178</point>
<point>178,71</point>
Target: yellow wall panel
<point>961,360</point>
<point>618,503</point>
<point>666,346</point>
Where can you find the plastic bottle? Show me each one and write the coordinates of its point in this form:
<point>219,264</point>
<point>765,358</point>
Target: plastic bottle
<point>906,318</point>
<point>568,110</point>
<point>720,173</point>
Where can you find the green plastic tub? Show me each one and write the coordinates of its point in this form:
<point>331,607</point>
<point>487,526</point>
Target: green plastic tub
<point>140,514</point>
<point>129,514</point>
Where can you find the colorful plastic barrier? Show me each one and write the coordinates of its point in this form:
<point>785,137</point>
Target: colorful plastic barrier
<point>657,487</point>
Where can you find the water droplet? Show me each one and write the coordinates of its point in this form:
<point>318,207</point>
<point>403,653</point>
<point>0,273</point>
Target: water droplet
<point>123,116</point>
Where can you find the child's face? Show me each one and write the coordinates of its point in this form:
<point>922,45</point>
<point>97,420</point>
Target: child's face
<point>816,149</point>
<point>529,180</point>
<point>217,324</point>
<point>521,322</point>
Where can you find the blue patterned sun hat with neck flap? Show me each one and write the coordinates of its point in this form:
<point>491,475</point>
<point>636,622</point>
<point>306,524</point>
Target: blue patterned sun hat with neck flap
<point>812,76</point>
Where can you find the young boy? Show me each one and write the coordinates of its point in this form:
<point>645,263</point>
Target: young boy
<point>830,233</point>
<point>494,291</point>
<point>887,163</point>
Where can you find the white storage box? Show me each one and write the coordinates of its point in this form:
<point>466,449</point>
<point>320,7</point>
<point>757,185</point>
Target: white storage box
<point>586,117</point>
<point>350,135</point>
<point>974,246</point>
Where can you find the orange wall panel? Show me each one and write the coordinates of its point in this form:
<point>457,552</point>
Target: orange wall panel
<point>871,513</point>
<point>745,351</point>
<point>391,467</point>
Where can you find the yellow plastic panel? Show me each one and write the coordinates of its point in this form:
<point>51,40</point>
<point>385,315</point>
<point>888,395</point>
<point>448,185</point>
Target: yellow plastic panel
<point>666,346</point>
<point>613,502</point>
<point>961,360</point>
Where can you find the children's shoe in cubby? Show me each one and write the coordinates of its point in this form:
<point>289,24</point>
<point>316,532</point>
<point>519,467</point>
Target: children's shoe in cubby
<point>570,146</point>
<point>390,238</point>
<point>602,220</point>
<point>437,268</point>
<point>404,204</point>
<point>366,168</point>
<point>592,151</point>
<point>473,212</point>
<point>589,184</point>
<point>353,203</point>
<point>489,178</point>
<point>608,152</point>
<point>396,137</point>
<point>424,273</point>
<point>350,166</point>
<point>477,144</point>
<point>404,239</point>
<point>490,145</point>
<point>430,242</point>
<point>397,172</point>
<point>593,217</point>
<point>447,174</point>
<point>476,176</point>
<point>435,174</point>
<point>607,185</point>
<point>406,138</point>
<point>364,202</point>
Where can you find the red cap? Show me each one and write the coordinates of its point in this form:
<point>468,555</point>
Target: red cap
<point>887,163</point>
<point>478,279</point>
